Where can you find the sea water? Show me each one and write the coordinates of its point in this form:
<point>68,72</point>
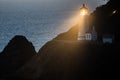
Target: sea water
<point>38,26</point>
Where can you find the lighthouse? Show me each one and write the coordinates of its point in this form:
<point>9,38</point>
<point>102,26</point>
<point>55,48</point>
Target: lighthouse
<point>84,25</point>
<point>85,32</point>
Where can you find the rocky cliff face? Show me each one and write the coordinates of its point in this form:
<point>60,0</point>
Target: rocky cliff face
<point>18,51</point>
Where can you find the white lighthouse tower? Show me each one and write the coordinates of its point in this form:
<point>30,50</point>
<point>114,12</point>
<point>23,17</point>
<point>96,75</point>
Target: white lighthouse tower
<point>84,25</point>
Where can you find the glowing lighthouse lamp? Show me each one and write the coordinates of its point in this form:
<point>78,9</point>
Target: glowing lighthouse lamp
<point>83,10</point>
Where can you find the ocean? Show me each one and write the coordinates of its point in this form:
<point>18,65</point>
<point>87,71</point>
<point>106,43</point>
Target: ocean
<point>38,26</point>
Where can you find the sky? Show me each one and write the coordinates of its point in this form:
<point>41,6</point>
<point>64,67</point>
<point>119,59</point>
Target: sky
<point>53,4</point>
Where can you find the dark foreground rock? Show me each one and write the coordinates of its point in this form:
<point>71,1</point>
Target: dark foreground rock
<point>59,60</point>
<point>18,51</point>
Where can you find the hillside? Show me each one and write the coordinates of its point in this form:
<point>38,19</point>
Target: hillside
<point>72,60</point>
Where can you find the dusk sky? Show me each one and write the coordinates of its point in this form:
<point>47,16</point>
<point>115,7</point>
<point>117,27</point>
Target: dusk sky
<point>54,4</point>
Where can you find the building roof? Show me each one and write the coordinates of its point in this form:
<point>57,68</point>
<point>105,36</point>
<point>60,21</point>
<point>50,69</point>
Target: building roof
<point>84,7</point>
<point>91,30</point>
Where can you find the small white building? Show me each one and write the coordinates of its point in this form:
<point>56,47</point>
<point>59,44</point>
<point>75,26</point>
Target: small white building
<point>91,35</point>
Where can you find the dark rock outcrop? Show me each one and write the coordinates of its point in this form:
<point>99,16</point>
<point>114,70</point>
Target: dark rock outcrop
<point>18,51</point>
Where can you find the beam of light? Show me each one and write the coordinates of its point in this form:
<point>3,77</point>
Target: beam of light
<point>82,19</point>
<point>81,24</point>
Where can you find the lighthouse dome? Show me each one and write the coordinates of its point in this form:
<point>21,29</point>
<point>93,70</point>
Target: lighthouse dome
<point>83,7</point>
